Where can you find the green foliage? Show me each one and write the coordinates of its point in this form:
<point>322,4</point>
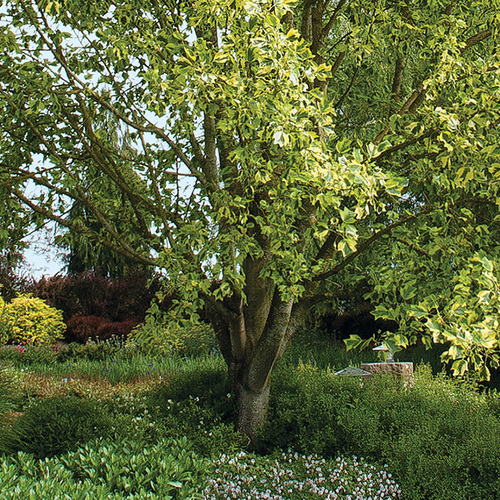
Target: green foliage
<point>197,404</point>
<point>462,315</point>
<point>55,425</point>
<point>96,351</point>
<point>299,477</point>
<point>4,332</point>
<point>84,255</point>
<point>27,355</point>
<point>107,469</point>
<point>265,155</point>
<point>440,439</point>
<point>30,319</point>
<point>6,407</point>
<point>157,334</point>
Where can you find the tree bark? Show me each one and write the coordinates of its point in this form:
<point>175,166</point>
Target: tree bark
<point>252,410</point>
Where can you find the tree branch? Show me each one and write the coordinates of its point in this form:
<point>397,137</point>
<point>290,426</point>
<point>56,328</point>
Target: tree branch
<point>417,95</point>
<point>122,247</point>
<point>82,88</point>
<point>367,243</point>
<point>328,26</point>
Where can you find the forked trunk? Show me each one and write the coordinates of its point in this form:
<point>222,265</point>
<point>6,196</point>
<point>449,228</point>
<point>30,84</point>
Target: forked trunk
<point>251,354</point>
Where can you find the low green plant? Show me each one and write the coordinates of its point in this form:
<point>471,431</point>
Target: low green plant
<point>57,424</point>
<point>155,334</point>
<point>298,477</point>
<point>27,354</point>
<point>312,346</point>
<point>210,436</point>
<point>92,351</point>
<point>197,404</point>
<point>29,319</point>
<point>7,406</point>
<point>168,469</point>
<point>5,391</point>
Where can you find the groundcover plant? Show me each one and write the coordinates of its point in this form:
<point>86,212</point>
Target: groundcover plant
<point>298,477</point>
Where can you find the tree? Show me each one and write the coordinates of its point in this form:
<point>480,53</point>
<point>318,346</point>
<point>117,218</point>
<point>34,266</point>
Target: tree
<point>86,255</point>
<point>319,143</point>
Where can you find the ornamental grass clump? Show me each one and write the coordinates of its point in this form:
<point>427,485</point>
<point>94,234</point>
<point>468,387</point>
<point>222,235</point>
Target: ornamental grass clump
<point>298,477</point>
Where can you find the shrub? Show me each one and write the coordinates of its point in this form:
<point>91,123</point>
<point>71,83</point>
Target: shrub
<point>190,341</point>
<point>84,328</point>
<point>7,434</point>
<point>91,351</point>
<point>440,439</point>
<point>108,469</point>
<point>207,385</point>
<point>115,329</point>
<point>91,294</point>
<point>57,424</point>
<point>120,303</point>
<point>196,404</point>
<point>30,319</point>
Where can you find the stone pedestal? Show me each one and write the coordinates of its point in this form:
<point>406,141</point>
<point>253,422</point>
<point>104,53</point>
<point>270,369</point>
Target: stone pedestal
<point>401,369</point>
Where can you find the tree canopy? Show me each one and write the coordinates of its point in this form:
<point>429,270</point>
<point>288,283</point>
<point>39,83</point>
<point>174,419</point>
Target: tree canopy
<point>277,151</point>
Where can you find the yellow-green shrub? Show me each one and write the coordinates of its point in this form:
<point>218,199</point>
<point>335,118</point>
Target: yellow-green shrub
<point>30,319</point>
<point>4,336</point>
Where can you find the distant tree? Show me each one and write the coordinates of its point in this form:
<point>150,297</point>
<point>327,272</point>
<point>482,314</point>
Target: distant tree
<point>83,254</point>
<point>14,226</point>
<point>11,282</point>
<point>320,142</point>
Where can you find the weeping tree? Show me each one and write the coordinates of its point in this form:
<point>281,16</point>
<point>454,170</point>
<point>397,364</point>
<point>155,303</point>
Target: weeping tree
<point>82,254</point>
<point>280,152</point>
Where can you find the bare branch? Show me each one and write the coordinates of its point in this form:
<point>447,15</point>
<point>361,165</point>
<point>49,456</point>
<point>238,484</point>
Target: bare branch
<point>121,247</point>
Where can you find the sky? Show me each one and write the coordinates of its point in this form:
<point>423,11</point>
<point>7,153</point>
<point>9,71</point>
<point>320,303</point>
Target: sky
<point>40,257</point>
<point>41,264</point>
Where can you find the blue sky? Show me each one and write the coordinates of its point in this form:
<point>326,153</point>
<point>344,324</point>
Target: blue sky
<point>41,258</point>
<point>39,264</point>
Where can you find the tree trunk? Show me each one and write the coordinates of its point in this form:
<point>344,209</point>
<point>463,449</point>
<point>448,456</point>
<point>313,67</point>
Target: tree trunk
<point>252,411</point>
<point>252,348</point>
